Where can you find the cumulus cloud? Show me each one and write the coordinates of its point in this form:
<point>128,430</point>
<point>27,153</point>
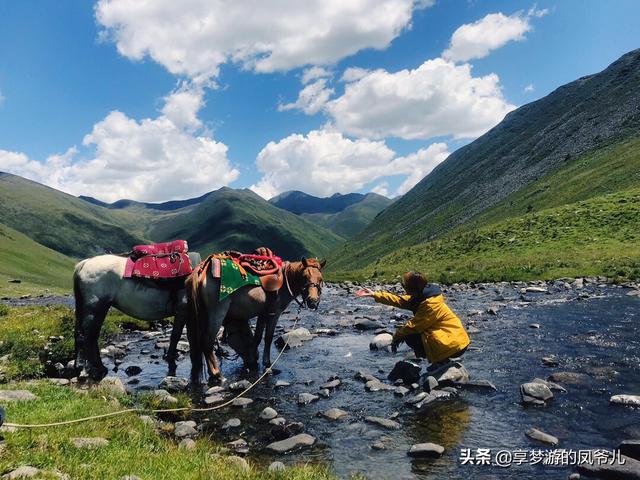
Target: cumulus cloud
<point>194,38</point>
<point>148,160</point>
<point>320,163</point>
<point>419,164</point>
<point>311,99</point>
<point>325,162</point>
<point>314,73</point>
<point>478,39</point>
<point>529,88</point>
<point>438,98</point>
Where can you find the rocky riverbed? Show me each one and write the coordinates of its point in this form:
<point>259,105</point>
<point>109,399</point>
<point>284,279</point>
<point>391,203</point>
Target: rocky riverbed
<point>331,400</point>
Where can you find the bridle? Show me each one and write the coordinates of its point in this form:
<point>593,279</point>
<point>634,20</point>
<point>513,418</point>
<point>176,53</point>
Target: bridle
<point>305,289</point>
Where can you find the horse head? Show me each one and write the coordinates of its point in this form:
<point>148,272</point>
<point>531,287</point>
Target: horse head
<point>312,281</point>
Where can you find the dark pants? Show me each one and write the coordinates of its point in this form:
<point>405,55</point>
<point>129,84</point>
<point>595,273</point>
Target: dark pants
<point>414,341</point>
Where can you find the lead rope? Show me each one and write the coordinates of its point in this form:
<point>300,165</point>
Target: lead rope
<point>161,410</point>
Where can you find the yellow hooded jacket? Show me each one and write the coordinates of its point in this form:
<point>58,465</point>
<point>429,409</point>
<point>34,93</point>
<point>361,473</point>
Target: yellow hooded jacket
<point>442,331</point>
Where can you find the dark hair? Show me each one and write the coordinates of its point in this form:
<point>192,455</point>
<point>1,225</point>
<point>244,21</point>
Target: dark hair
<point>414,282</point>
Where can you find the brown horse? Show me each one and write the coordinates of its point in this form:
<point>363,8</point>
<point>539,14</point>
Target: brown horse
<point>206,314</point>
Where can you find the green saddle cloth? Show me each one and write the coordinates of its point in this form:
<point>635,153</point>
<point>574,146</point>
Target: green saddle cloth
<point>231,278</point>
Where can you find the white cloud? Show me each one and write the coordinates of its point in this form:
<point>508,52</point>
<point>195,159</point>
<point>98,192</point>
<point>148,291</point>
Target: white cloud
<point>529,88</point>
<point>478,39</point>
<point>324,162</point>
<point>311,99</point>
<point>193,38</point>
<point>320,163</point>
<point>438,98</point>
<point>2,98</point>
<point>148,160</point>
<point>314,73</point>
<point>419,164</point>
<point>352,74</point>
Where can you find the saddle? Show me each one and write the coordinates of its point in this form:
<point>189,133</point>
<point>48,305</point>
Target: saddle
<point>159,261</point>
<point>263,264</point>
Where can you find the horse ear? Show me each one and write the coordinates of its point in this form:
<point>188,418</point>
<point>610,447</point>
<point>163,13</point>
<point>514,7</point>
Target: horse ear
<point>323,263</point>
<point>304,262</point>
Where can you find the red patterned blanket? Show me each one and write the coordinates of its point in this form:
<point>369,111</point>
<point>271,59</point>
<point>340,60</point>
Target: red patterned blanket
<point>160,260</point>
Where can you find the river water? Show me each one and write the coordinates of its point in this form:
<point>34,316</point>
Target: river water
<point>594,331</point>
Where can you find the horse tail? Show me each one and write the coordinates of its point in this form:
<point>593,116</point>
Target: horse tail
<point>79,307</point>
<point>194,323</point>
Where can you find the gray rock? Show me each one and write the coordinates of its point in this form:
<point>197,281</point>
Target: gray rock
<point>25,471</point>
<point>294,338</point>
<point>16,396</point>
<point>383,422</point>
<point>406,371</point>
<point>376,385</point>
<point>571,378</point>
<point>550,361</point>
<point>450,374</point>
<point>89,443</point>
<point>334,414</point>
<point>534,325</point>
<point>434,396</point>
<point>429,383</point>
<point>174,384</point>
<point>276,467</point>
<point>627,468</point>
<point>296,442</point>
<point>554,387</point>
<point>182,346</point>
<point>366,324</point>
<point>630,448</point>
<point>401,391</point>
<point>278,421</point>
<point>540,436</point>
<point>216,390</point>
<point>381,341</point>
<point>187,444</point>
<point>239,446</point>
<point>281,384</point>
<point>623,399</point>
<point>213,399</point>
<point>113,385</point>
<point>185,429</point>
<point>231,423</point>
<point>378,446</point>
<point>239,386</point>
<point>332,384</point>
<point>426,450</point>
<point>268,414</point>
<point>324,393</point>
<point>239,462</point>
<point>61,382</point>
<point>533,393</point>
<point>482,385</point>
<point>132,370</point>
<point>364,376</point>
<point>241,402</point>
<point>306,398</point>
<point>164,396</point>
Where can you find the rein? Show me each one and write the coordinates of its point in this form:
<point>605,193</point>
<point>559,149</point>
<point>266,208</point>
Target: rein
<point>306,287</point>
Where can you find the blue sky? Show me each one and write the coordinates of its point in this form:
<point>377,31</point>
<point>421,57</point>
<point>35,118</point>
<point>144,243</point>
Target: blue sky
<point>84,89</point>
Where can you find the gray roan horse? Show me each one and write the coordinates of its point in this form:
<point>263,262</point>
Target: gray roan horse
<point>98,284</point>
<point>206,314</point>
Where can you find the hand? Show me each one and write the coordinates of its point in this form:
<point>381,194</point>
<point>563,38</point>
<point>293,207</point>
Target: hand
<point>365,292</point>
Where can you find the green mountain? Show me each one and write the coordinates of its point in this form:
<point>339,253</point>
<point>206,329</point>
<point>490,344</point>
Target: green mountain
<point>28,267</point>
<point>224,219</point>
<point>521,165</point>
<point>345,215</point>
<point>63,222</point>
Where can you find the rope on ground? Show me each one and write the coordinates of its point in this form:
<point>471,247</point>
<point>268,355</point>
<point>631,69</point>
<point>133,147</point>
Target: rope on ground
<point>161,410</point>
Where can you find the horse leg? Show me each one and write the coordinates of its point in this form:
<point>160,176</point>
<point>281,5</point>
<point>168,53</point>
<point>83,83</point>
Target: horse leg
<point>268,338</point>
<point>176,332</point>
<point>214,322</point>
<point>91,326</point>
<point>260,326</point>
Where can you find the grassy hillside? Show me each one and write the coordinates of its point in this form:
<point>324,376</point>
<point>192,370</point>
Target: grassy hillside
<point>588,114</point>
<point>242,220</point>
<point>35,266</point>
<point>354,218</point>
<point>598,236</point>
<point>63,222</point>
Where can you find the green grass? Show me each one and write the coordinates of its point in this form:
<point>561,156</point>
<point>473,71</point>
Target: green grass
<point>37,268</point>
<point>134,448</point>
<point>25,331</point>
<point>598,236</point>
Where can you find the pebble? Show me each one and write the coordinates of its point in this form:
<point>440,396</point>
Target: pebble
<point>132,370</point>
<point>535,393</point>
<point>324,393</point>
<point>268,414</point>
<point>378,446</point>
<point>174,384</point>
<point>306,398</point>
<point>406,371</point>
<point>238,462</point>
<point>16,396</point>
<point>165,396</point>
<point>185,429</point>
<point>89,442</point>
<point>367,324</point>
<point>540,436</point>
<point>61,382</point>
<point>281,383</point>
<point>239,446</point>
<point>426,450</point>
<point>277,467</point>
<point>239,386</point>
<point>571,378</point>
<point>334,414</point>
<point>376,386</point>
<point>293,443</point>
<point>187,444</point>
<point>623,399</point>
<point>278,421</point>
<point>215,390</point>
<point>212,399</point>
<point>231,423</point>
<point>383,422</point>
<point>26,471</point>
<point>381,341</point>
<point>364,376</point>
<point>332,384</point>
<point>241,402</point>
<point>293,339</point>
